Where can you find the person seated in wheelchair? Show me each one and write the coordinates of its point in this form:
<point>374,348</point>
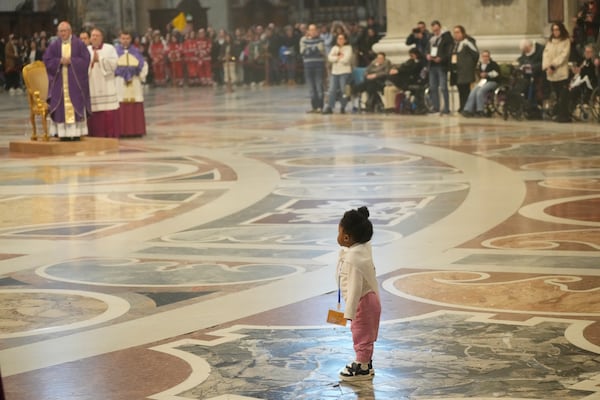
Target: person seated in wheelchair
<point>489,73</point>
<point>411,74</point>
<point>374,82</point>
<point>584,79</point>
<point>515,96</point>
<point>526,87</point>
<point>530,65</point>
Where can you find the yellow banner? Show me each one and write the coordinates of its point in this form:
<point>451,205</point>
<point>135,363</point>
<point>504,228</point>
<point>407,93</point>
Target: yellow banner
<point>179,22</point>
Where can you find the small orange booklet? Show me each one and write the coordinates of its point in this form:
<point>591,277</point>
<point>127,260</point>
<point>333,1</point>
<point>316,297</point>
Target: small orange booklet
<point>336,317</point>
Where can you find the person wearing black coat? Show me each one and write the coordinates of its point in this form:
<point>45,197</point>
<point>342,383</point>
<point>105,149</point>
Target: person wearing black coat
<point>273,45</point>
<point>489,72</point>
<point>289,53</point>
<point>366,53</point>
<point>401,77</point>
<point>438,55</point>
<point>463,61</point>
<point>409,72</point>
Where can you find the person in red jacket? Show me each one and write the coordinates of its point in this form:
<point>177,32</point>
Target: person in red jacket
<point>190,57</point>
<point>204,58</point>
<point>157,54</point>
<point>175,54</point>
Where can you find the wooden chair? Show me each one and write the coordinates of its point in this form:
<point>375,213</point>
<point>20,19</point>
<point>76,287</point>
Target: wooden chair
<point>36,82</point>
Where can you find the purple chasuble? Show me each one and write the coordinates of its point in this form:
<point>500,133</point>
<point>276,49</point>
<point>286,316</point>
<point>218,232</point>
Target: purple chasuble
<point>79,87</point>
<point>126,72</point>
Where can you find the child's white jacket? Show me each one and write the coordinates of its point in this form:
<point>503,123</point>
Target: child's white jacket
<point>356,275</point>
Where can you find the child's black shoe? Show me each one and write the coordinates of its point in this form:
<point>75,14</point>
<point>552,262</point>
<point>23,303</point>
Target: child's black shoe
<point>355,372</point>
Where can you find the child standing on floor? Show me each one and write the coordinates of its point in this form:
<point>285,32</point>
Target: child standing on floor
<point>358,284</point>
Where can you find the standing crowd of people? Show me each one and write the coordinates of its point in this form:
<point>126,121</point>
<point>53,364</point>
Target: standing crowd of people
<point>254,56</point>
<point>564,69</point>
<point>558,75</point>
<point>15,52</point>
<point>105,81</point>
<point>339,56</point>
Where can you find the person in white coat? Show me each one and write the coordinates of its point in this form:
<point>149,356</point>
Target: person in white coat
<point>104,121</point>
<point>555,62</point>
<point>340,58</point>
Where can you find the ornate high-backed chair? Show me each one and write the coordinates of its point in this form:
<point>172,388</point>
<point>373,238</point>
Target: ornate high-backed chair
<point>36,82</point>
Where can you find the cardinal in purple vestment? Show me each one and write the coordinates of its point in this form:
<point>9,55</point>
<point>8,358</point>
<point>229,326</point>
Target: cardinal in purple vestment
<point>68,57</point>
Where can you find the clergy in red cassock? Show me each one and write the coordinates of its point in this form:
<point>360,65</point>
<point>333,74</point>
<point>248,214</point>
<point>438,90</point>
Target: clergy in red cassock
<point>67,60</point>
<point>158,54</point>
<point>204,58</point>
<point>175,54</point>
<point>190,55</point>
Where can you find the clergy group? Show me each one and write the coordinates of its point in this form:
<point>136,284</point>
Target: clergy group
<point>96,89</point>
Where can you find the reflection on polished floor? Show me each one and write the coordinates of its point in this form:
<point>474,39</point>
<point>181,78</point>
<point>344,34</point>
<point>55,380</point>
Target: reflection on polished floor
<point>198,262</point>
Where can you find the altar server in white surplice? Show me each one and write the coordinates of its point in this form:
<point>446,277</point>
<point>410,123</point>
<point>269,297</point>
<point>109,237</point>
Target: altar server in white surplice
<point>104,121</point>
<point>131,73</point>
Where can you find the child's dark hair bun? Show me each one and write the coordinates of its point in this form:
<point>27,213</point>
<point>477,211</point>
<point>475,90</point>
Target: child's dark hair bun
<point>364,211</point>
<point>356,224</point>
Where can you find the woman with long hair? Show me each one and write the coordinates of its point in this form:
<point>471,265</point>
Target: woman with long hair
<point>340,58</point>
<point>555,62</point>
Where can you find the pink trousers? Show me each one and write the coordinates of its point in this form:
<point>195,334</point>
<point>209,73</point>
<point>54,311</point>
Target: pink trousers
<point>365,327</point>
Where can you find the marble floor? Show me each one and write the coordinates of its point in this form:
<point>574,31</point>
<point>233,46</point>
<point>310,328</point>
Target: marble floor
<point>198,262</point>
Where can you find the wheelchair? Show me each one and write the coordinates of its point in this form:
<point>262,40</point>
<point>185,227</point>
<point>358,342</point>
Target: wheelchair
<point>515,98</point>
<point>374,103</point>
<point>581,104</point>
<point>363,102</point>
<point>594,104</point>
<point>415,97</point>
<point>495,104</point>
<point>359,100</point>
<point>493,100</point>
<point>416,100</point>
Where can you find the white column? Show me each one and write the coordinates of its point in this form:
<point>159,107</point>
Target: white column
<point>498,28</point>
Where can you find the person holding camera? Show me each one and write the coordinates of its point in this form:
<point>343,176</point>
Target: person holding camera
<point>419,37</point>
<point>555,62</point>
<point>587,25</point>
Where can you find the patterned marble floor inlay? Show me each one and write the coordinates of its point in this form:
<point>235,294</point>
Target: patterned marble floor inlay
<point>443,355</point>
<point>198,262</point>
<point>148,273</point>
<point>26,312</point>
